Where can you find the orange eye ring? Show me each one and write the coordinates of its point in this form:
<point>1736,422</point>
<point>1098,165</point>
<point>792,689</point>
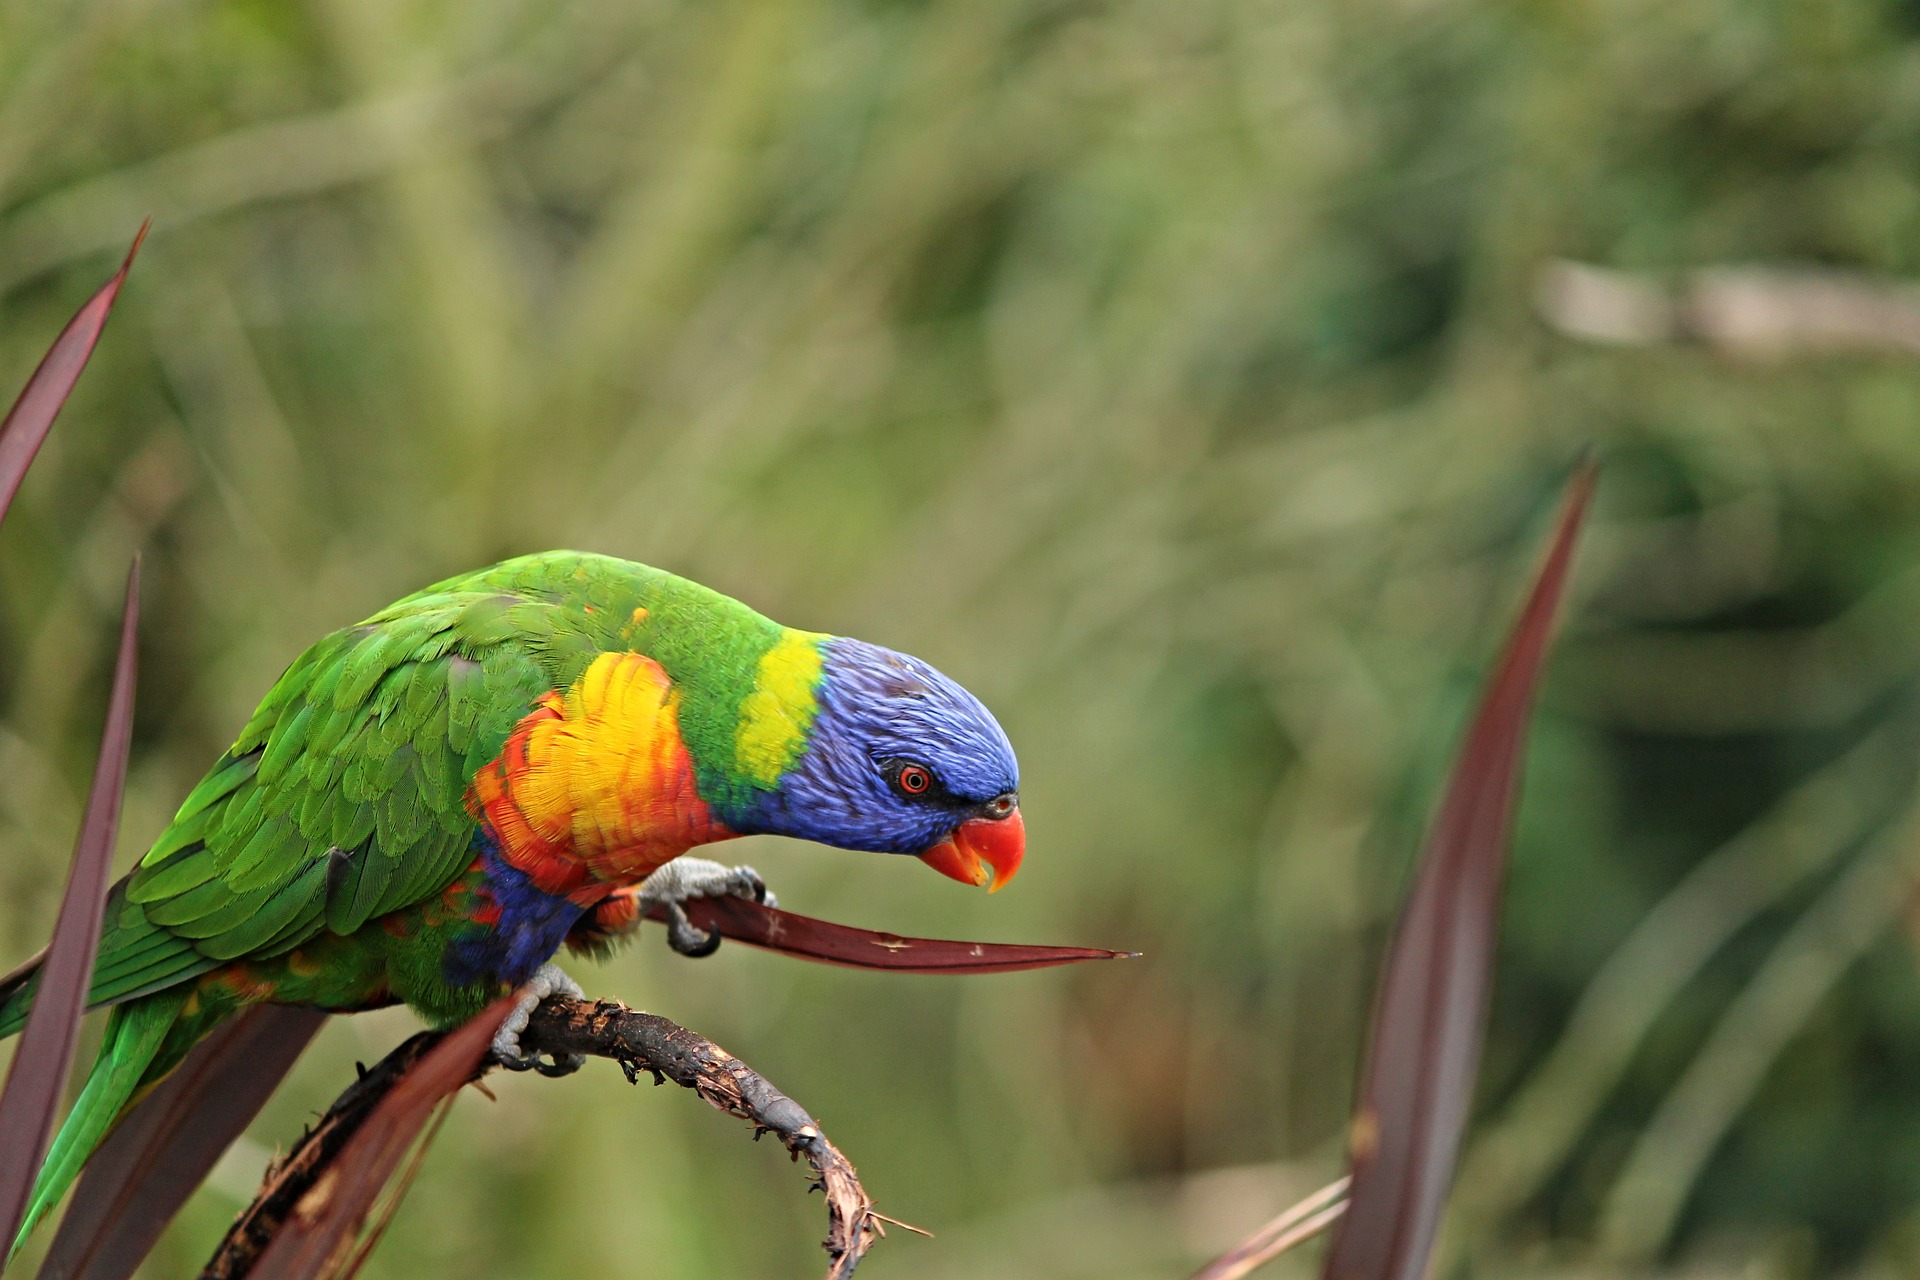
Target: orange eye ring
<point>913,780</point>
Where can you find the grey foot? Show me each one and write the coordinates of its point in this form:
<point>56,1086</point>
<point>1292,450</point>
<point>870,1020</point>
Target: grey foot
<point>685,879</point>
<point>550,980</point>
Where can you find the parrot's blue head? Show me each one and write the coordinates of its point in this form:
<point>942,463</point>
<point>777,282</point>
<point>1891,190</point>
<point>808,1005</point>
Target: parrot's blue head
<point>900,759</point>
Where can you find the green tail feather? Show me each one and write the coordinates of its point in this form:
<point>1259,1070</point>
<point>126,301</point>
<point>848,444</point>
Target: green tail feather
<point>16,996</point>
<point>135,1032</point>
<point>135,957</point>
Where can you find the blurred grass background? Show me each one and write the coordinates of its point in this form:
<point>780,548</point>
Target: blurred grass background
<point>1178,375</point>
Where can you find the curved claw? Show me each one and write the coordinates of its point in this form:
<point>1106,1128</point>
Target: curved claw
<point>751,881</point>
<point>560,1064</point>
<point>551,1065</point>
<point>685,938</point>
<point>548,980</point>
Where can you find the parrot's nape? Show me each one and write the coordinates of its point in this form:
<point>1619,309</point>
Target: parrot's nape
<point>427,806</point>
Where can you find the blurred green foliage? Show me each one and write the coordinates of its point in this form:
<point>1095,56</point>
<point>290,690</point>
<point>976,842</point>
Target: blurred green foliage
<point>1170,371</point>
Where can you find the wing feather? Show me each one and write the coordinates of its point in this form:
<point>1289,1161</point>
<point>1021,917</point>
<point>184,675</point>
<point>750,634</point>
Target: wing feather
<point>179,874</point>
<point>282,906</point>
<point>365,746</point>
<point>343,798</point>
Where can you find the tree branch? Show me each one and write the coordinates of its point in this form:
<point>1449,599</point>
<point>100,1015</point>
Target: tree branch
<point>648,1042</point>
<point>640,1043</point>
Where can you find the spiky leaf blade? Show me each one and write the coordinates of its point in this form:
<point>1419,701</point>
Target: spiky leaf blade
<point>1417,1080</point>
<point>27,423</point>
<point>38,1076</point>
<point>317,1236</point>
<point>759,925</point>
<point>165,1147</point>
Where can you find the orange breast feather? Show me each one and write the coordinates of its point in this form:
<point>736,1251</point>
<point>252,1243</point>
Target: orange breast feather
<point>594,789</point>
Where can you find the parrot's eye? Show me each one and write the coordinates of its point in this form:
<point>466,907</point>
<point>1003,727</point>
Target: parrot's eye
<point>911,780</point>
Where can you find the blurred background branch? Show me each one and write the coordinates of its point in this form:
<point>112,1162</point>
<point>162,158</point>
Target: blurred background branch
<point>1757,313</point>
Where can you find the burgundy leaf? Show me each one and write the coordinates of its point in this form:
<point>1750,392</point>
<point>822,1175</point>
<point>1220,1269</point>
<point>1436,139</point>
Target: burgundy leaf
<point>1417,1082</point>
<point>318,1236</point>
<point>759,925</point>
<point>27,423</point>
<point>39,1073</point>
<point>154,1158</point>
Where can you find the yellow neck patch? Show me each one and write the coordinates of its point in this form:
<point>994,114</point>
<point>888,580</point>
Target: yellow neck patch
<point>775,717</point>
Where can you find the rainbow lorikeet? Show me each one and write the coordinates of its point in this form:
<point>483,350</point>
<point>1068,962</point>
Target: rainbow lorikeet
<point>426,806</point>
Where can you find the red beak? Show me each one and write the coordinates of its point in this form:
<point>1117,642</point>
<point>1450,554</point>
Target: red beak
<point>980,843</point>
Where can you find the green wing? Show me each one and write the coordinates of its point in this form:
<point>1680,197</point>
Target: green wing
<point>343,799</point>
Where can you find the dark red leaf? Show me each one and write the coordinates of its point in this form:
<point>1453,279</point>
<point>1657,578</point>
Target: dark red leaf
<point>154,1158</point>
<point>39,1072</point>
<point>757,925</point>
<point>1417,1081</point>
<point>318,1236</point>
<point>27,423</point>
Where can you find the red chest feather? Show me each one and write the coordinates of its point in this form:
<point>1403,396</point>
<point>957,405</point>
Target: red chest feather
<point>594,788</point>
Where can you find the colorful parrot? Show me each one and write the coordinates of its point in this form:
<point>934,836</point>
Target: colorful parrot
<point>426,806</point>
